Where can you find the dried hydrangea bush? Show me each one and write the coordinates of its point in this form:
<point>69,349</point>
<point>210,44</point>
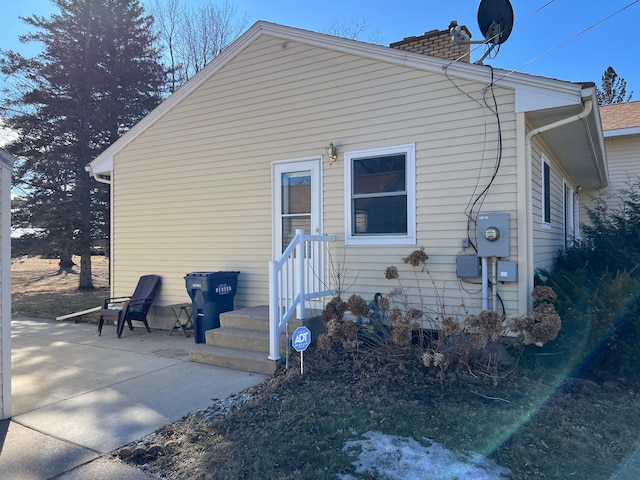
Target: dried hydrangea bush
<point>391,330</point>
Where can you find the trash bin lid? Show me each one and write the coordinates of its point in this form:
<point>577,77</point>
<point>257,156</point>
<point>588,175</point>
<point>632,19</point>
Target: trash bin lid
<point>212,274</point>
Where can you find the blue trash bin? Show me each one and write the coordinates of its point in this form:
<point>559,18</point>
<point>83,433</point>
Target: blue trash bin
<point>212,293</point>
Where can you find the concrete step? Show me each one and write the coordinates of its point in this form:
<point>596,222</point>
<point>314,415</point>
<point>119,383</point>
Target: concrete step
<point>243,360</point>
<point>240,339</point>
<point>252,318</point>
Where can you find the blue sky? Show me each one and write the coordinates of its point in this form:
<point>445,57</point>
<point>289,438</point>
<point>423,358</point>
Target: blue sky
<point>542,41</point>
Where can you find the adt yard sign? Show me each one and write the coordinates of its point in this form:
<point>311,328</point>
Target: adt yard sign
<point>301,339</point>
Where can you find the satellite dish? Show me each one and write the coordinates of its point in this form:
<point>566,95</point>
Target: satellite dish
<point>495,19</point>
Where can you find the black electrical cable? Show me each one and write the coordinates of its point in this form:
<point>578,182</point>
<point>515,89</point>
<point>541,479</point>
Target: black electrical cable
<point>484,192</point>
<point>482,195</point>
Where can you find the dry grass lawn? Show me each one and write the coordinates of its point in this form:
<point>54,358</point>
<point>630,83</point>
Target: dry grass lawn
<point>538,424</point>
<point>39,289</point>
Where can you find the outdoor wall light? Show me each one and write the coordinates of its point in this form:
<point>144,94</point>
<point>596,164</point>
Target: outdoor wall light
<point>332,153</point>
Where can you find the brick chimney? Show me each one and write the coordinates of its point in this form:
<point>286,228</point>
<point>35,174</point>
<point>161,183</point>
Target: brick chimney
<point>437,43</point>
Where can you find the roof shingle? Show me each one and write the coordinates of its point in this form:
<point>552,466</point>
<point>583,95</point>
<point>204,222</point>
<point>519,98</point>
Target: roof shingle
<point>620,115</point>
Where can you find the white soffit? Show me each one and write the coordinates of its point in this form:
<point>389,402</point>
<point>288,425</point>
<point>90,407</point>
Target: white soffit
<point>103,165</point>
<point>533,97</point>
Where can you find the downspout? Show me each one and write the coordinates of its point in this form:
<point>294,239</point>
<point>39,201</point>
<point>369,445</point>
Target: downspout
<point>106,179</point>
<point>587,108</point>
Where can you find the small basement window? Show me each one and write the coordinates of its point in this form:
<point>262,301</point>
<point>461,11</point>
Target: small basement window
<point>380,196</point>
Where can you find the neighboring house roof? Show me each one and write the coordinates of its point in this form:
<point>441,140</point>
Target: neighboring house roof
<point>621,119</point>
<point>580,144</point>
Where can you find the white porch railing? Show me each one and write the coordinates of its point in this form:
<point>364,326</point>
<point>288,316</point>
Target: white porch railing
<point>302,273</point>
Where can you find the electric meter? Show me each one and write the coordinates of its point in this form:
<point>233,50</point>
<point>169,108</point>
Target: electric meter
<point>493,235</point>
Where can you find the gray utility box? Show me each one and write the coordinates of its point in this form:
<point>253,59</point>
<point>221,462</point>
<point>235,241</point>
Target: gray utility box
<point>212,293</point>
<point>507,271</point>
<point>493,235</point>
<point>468,266</point>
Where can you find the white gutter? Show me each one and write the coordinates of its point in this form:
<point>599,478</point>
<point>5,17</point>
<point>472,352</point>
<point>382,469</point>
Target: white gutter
<point>587,108</point>
<point>101,178</point>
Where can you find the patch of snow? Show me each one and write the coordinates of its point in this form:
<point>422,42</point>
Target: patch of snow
<point>388,457</point>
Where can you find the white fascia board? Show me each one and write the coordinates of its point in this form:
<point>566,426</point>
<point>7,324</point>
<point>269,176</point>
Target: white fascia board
<point>532,93</point>
<point>622,132</point>
<point>103,164</point>
<point>356,47</point>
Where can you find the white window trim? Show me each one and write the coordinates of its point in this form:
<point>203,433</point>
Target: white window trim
<point>406,239</point>
<point>568,213</point>
<point>307,163</point>
<point>546,225</point>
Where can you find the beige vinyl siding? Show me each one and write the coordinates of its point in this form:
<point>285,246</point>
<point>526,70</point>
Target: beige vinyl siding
<point>194,191</point>
<point>547,242</point>
<point>449,171</point>
<point>623,157</point>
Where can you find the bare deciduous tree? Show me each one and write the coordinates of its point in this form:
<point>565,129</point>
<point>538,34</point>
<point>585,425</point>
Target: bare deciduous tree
<point>166,19</point>
<point>354,29</point>
<point>191,37</point>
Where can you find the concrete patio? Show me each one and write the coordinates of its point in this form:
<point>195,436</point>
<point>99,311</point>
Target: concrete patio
<point>78,396</point>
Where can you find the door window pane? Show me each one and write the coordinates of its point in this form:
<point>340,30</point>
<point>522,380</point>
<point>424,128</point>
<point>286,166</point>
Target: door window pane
<point>290,225</point>
<point>296,193</point>
<point>296,204</point>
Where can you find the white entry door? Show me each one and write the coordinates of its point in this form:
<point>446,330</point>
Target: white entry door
<point>296,201</point>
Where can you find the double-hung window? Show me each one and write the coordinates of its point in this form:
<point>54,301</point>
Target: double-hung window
<point>380,196</point>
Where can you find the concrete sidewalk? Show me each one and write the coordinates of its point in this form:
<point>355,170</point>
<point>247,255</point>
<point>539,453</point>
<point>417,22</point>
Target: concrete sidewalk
<point>77,396</point>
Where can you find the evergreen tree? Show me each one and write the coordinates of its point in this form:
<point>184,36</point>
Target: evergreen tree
<point>614,88</point>
<point>98,74</point>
